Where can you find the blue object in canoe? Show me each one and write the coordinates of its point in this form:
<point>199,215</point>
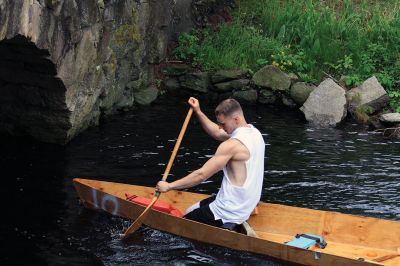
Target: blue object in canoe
<point>305,241</point>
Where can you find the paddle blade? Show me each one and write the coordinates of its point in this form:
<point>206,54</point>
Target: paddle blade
<point>139,221</point>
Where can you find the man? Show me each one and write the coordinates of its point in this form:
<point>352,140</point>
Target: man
<point>240,156</point>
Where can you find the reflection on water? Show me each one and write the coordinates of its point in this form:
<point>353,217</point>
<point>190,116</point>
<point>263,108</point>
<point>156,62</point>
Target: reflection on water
<point>344,169</point>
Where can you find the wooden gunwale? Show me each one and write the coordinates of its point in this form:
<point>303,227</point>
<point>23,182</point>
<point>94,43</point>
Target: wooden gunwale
<point>274,224</point>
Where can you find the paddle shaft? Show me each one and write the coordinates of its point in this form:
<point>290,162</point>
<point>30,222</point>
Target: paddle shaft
<point>139,221</point>
<point>177,144</point>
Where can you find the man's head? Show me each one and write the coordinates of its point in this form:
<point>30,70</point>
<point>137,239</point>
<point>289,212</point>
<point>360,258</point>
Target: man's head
<point>229,115</point>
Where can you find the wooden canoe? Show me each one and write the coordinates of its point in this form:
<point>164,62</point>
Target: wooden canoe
<point>352,240</point>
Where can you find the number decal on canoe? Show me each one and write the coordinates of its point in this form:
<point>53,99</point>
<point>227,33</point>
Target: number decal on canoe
<point>105,201</point>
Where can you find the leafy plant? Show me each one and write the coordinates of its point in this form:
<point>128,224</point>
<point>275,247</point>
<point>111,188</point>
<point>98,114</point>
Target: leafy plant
<point>293,61</point>
<point>188,45</point>
<point>158,83</point>
<point>395,100</point>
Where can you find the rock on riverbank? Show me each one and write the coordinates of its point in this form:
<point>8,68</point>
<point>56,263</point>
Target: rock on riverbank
<point>325,105</point>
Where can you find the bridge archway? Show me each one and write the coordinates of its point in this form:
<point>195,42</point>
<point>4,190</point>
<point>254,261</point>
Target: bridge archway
<point>32,97</point>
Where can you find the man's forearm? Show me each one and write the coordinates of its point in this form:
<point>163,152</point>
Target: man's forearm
<point>209,126</point>
<point>192,179</point>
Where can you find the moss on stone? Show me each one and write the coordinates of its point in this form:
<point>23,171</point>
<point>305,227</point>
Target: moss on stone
<point>356,98</point>
<point>362,113</point>
<point>100,3</point>
<point>128,32</point>
<point>125,34</point>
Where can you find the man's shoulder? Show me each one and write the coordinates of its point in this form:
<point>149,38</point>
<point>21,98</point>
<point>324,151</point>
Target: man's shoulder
<point>230,142</point>
<point>232,145</point>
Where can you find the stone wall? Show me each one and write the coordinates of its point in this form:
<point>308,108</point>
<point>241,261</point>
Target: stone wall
<point>64,63</point>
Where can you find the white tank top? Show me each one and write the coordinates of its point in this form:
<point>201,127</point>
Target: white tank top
<point>234,204</point>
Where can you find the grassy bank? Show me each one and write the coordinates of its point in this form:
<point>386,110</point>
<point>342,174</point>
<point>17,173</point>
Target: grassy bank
<point>311,38</point>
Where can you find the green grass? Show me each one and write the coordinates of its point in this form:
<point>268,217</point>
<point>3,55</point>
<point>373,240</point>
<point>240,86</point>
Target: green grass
<point>233,46</point>
<point>356,39</point>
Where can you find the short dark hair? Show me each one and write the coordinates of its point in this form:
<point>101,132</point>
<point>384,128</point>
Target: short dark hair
<point>228,107</point>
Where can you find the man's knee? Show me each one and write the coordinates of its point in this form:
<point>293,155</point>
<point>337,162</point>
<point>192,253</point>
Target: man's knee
<point>194,215</point>
<point>192,208</point>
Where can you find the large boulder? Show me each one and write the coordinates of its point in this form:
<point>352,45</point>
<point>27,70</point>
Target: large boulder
<point>195,81</point>
<point>247,97</point>
<point>390,118</point>
<point>300,92</point>
<point>175,70</point>
<point>326,105</point>
<point>236,84</point>
<point>146,96</point>
<point>171,84</point>
<point>226,75</point>
<point>370,95</point>
<point>273,78</point>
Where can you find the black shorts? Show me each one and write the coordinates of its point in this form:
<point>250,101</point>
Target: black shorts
<point>203,214</point>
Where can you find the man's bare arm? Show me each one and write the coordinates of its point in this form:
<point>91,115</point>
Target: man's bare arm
<point>209,127</point>
<point>212,166</point>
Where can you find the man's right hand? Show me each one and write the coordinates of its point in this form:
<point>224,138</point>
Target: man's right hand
<point>163,186</point>
<point>194,103</point>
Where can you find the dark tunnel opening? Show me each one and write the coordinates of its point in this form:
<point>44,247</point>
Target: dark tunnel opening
<point>32,97</point>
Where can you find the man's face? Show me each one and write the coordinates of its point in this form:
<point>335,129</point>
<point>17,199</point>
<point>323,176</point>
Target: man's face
<point>227,123</point>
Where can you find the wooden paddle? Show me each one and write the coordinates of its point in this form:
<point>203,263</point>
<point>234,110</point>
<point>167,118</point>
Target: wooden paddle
<point>139,221</point>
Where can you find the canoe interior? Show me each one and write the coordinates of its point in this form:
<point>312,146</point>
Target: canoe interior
<point>374,240</point>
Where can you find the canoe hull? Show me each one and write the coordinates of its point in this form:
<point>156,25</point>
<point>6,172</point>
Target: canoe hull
<point>110,197</point>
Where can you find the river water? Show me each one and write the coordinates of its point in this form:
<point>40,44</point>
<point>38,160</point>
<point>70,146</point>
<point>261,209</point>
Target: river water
<point>346,169</point>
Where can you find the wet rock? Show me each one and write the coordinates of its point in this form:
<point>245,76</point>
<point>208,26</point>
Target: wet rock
<point>300,92</point>
<point>267,97</point>
<point>293,77</point>
<point>176,71</point>
<point>326,105</point>
<point>375,123</point>
<point>125,100</point>
<point>146,96</point>
<point>370,94</point>
<point>195,81</point>
<point>390,118</point>
<point>171,84</point>
<point>227,75</point>
<point>249,96</point>
<point>273,78</point>
<point>236,84</point>
<point>287,101</point>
